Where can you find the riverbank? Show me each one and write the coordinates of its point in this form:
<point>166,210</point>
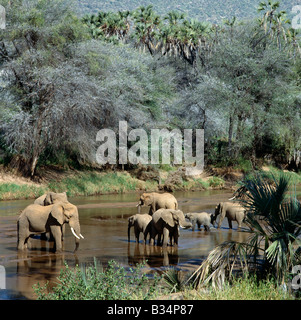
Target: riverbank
<point>149,179</point>
<point>94,182</point>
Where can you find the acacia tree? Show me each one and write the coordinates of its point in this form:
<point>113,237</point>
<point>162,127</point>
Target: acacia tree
<point>251,85</point>
<point>61,87</point>
<point>32,47</point>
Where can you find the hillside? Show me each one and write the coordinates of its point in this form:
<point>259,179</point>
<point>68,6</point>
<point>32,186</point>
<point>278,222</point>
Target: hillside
<point>209,10</point>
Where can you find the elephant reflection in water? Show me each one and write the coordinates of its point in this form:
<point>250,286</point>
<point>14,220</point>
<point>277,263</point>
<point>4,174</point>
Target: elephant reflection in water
<point>221,236</point>
<point>33,268</point>
<point>155,256</point>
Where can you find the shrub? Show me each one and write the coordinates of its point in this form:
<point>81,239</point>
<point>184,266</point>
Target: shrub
<point>95,283</point>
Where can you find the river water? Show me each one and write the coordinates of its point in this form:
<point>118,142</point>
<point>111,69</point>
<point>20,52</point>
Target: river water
<point>103,222</point>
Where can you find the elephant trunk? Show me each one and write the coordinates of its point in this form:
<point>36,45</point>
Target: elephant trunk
<point>139,206</point>
<point>75,229</point>
<point>185,224</point>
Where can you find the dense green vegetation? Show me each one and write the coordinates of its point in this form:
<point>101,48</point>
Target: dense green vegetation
<point>63,78</point>
<point>93,282</point>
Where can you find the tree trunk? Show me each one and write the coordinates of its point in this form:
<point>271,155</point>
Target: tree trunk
<point>37,141</point>
<point>230,135</point>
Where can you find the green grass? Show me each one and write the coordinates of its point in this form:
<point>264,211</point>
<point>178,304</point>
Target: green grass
<point>216,182</point>
<point>242,288</point>
<point>88,183</point>
<point>294,178</point>
<point>91,183</point>
<point>12,191</point>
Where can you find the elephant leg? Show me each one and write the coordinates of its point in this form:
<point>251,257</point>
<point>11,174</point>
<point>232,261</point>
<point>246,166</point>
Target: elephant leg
<point>63,231</point>
<point>147,232</point>
<point>207,227</point>
<point>159,240</point>
<point>145,236</point>
<point>193,224</point>
<point>152,236</point>
<point>22,242</point>
<point>165,237</point>
<point>230,223</point>
<point>56,231</point>
<point>239,222</point>
<point>44,236</point>
<point>137,233</point>
<point>152,209</point>
<point>23,236</point>
<point>176,236</point>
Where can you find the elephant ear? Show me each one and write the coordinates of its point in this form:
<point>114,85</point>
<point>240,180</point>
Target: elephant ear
<point>131,219</point>
<point>48,199</point>
<point>147,200</point>
<point>57,213</point>
<point>169,217</point>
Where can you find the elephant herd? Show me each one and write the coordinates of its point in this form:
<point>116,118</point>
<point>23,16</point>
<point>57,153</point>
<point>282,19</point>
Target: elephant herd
<point>165,219</point>
<point>52,211</point>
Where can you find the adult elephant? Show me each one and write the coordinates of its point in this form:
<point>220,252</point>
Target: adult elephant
<point>141,223</point>
<point>51,198</point>
<point>157,201</point>
<point>36,219</point>
<point>233,212</point>
<point>166,222</point>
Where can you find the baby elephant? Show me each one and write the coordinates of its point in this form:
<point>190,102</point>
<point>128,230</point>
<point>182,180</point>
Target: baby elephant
<point>200,218</point>
<point>141,223</point>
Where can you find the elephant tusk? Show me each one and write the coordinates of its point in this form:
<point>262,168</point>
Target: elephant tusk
<point>81,236</point>
<point>75,235</point>
<point>138,205</point>
<point>232,198</point>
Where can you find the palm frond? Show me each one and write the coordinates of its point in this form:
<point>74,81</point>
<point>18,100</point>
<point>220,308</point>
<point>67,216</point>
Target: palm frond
<point>220,264</point>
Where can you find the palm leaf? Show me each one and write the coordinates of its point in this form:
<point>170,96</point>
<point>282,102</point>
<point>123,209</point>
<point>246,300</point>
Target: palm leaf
<point>221,263</point>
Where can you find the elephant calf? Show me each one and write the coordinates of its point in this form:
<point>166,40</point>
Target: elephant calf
<point>141,223</point>
<point>233,212</point>
<point>200,218</point>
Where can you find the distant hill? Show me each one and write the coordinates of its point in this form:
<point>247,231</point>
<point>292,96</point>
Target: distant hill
<point>205,10</point>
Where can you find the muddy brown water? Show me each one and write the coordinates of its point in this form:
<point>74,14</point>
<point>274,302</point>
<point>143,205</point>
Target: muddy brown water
<point>103,222</point>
